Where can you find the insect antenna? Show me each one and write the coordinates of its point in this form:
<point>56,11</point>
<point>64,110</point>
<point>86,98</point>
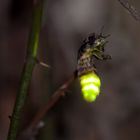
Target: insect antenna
<point>101,33</point>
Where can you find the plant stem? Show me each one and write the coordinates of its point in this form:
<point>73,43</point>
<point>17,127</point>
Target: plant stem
<point>27,70</point>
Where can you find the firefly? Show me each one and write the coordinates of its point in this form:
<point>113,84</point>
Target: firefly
<point>92,47</point>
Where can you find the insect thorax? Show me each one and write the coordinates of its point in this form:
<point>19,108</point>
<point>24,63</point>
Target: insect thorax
<point>85,65</point>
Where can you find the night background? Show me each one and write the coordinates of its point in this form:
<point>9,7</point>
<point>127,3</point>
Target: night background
<point>115,115</point>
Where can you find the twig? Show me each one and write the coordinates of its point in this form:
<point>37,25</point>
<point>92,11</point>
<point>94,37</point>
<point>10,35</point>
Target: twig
<point>53,100</point>
<point>42,64</point>
<point>27,70</point>
<point>33,127</point>
<point>130,9</point>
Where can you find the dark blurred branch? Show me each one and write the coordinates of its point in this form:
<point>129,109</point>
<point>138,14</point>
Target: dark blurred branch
<point>130,8</point>
<point>27,70</point>
<point>34,126</point>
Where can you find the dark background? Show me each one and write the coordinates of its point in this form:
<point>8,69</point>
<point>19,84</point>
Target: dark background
<point>115,115</point>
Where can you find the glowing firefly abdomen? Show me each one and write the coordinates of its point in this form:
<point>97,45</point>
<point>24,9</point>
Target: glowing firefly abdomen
<point>90,86</point>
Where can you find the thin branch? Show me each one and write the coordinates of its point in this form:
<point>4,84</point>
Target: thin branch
<point>130,8</point>
<point>27,70</point>
<point>42,64</point>
<point>60,92</point>
<point>33,128</point>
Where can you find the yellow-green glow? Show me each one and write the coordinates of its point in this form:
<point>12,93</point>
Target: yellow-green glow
<point>90,85</point>
<point>90,78</point>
